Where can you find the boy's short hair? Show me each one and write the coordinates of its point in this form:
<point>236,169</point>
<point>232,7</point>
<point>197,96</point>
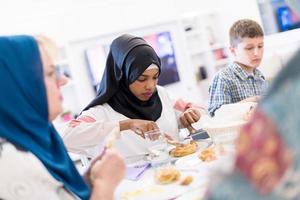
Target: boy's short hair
<point>244,28</point>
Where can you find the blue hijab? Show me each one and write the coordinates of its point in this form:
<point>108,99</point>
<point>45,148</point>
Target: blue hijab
<point>24,111</point>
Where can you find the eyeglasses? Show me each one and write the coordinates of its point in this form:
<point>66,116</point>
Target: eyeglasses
<point>59,72</point>
<point>56,72</point>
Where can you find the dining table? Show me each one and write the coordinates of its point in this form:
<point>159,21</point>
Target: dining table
<point>141,183</point>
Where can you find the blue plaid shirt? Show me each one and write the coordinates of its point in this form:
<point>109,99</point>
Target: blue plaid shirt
<point>233,84</point>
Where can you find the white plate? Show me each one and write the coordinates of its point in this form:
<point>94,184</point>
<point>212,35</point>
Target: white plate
<point>137,160</point>
<point>153,190</point>
<point>193,161</point>
<point>201,145</point>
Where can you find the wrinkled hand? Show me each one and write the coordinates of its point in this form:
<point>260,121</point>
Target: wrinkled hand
<point>189,117</point>
<point>102,169</point>
<point>252,99</point>
<point>100,175</point>
<point>143,128</point>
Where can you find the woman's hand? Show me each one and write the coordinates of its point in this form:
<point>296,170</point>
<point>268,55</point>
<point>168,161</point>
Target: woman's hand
<point>106,174</point>
<point>143,128</point>
<point>189,117</point>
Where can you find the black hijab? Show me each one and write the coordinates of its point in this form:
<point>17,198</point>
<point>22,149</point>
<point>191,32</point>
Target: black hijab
<point>128,58</point>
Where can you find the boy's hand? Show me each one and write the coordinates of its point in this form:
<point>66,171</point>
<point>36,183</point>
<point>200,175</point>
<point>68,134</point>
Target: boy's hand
<point>189,117</point>
<point>252,99</point>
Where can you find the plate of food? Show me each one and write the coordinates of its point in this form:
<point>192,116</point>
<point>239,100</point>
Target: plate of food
<point>187,148</point>
<point>213,156</point>
<point>167,183</point>
<point>164,153</point>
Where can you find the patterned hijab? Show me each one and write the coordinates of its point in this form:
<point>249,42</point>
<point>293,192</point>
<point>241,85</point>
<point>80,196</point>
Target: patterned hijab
<point>128,58</point>
<point>268,152</point>
<point>24,111</point>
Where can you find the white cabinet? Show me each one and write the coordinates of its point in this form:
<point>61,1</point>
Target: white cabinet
<point>204,37</point>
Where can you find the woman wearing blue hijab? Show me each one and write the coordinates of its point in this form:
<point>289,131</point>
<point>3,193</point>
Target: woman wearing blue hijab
<point>34,163</point>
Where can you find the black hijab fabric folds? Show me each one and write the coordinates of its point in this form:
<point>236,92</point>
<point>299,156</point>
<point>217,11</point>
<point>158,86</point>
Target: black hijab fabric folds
<point>128,58</point>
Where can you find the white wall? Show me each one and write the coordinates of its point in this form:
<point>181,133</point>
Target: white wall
<point>71,21</point>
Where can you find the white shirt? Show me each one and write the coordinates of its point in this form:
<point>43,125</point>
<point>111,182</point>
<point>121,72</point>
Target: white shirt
<point>24,177</point>
<point>88,137</point>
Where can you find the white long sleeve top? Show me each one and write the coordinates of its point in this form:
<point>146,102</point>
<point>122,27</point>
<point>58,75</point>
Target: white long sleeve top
<point>85,136</point>
<point>23,177</point>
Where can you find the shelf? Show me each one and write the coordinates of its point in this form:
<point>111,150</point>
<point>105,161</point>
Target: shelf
<point>222,61</point>
<point>204,44</point>
<point>202,50</point>
<point>193,33</point>
<point>195,51</point>
<point>217,46</point>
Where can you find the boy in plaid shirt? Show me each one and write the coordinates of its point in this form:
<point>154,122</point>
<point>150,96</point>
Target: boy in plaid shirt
<point>240,80</point>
